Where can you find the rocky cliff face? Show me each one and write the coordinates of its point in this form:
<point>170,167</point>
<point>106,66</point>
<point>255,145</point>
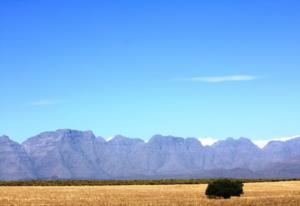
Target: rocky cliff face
<point>14,161</point>
<point>72,154</point>
<point>277,151</point>
<point>65,154</point>
<point>230,154</point>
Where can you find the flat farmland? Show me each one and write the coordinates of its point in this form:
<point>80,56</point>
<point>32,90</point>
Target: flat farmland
<point>265,193</point>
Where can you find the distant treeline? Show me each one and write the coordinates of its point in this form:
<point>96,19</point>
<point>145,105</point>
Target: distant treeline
<point>123,182</point>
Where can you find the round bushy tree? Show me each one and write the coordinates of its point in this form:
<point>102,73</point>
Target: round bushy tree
<point>224,188</point>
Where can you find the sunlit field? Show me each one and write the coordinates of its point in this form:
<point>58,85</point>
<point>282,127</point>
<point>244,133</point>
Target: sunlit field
<point>271,193</point>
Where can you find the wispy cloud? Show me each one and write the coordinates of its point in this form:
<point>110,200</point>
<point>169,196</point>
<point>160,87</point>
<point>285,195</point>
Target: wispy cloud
<point>262,143</point>
<point>207,141</point>
<point>218,79</point>
<point>44,102</point>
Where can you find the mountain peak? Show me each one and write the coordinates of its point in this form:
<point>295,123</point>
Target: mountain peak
<point>58,135</point>
<point>234,142</point>
<point>123,139</point>
<point>193,140</point>
<point>294,139</point>
<point>245,140</point>
<point>4,138</point>
<point>68,132</point>
<point>159,137</point>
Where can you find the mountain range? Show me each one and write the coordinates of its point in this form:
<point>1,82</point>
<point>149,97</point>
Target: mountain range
<point>73,154</point>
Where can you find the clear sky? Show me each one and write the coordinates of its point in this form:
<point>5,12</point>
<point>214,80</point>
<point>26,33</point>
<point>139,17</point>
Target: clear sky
<point>138,68</point>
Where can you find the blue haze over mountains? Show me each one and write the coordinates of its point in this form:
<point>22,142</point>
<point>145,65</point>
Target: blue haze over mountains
<point>72,154</point>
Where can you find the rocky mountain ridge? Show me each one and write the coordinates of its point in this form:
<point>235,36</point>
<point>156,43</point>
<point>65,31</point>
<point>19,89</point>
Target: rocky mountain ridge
<point>73,154</point>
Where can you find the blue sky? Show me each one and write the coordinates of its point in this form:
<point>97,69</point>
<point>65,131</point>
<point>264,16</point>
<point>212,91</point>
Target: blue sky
<point>138,68</point>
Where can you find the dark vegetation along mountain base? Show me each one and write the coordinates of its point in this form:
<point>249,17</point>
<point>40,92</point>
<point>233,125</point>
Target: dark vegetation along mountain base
<point>127,182</point>
<point>72,154</point>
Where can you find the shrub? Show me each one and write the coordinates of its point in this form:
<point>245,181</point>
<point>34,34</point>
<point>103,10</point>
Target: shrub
<point>224,188</point>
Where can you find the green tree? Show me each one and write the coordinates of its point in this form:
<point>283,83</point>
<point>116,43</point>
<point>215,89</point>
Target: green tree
<point>224,188</point>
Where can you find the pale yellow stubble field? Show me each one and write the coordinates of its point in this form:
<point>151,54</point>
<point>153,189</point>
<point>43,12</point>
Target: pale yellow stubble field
<point>273,193</point>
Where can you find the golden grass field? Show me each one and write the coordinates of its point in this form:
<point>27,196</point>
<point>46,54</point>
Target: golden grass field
<point>272,193</point>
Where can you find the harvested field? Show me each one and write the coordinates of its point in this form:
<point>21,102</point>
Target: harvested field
<point>265,193</point>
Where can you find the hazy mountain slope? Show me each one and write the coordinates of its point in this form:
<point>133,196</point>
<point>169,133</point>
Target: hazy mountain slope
<point>14,161</point>
<point>72,154</point>
<point>118,157</point>
<point>286,169</point>
<point>277,151</point>
<point>231,153</point>
<point>172,155</point>
<point>65,154</point>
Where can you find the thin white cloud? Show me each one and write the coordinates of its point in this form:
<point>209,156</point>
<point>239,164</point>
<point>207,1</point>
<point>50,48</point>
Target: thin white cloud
<point>44,102</point>
<point>207,141</point>
<point>109,138</point>
<point>262,143</point>
<point>218,79</point>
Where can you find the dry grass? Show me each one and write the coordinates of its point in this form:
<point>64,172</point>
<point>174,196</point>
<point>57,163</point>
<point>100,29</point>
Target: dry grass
<point>273,193</point>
